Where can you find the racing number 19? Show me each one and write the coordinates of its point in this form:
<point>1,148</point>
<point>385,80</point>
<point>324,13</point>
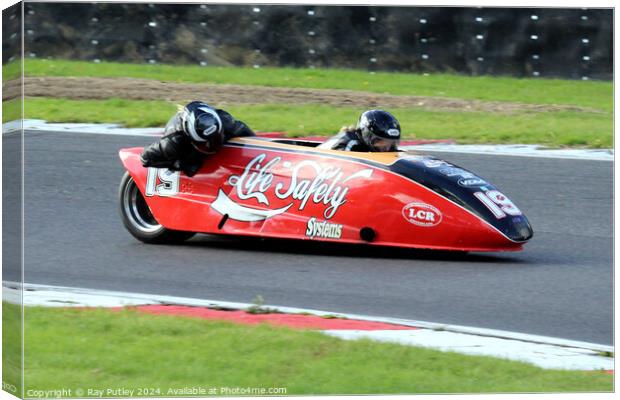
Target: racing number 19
<point>499,204</point>
<point>169,185</point>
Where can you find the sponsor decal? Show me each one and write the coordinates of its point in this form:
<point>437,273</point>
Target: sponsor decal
<point>225,205</point>
<point>323,229</point>
<point>454,171</point>
<point>469,182</point>
<point>309,182</point>
<point>467,178</point>
<point>422,214</point>
<point>434,163</point>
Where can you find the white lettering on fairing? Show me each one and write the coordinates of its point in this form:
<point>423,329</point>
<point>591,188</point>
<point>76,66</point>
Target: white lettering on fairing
<point>325,185</point>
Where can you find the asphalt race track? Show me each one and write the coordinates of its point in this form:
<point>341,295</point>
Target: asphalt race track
<point>561,285</point>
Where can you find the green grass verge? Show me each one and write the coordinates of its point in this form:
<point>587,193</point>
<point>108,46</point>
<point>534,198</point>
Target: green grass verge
<point>551,129</point>
<point>101,349</point>
<point>11,110</point>
<point>11,348</point>
<point>12,70</point>
<point>537,91</point>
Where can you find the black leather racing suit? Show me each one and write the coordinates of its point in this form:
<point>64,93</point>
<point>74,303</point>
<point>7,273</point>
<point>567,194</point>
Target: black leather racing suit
<point>177,151</point>
<point>347,140</point>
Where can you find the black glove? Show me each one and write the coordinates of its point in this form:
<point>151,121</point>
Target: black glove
<point>191,162</point>
<point>241,129</point>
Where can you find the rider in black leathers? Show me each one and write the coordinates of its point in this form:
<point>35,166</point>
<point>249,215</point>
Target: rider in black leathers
<point>195,131</point>
<point>376,130</point>
<point>199,129</point>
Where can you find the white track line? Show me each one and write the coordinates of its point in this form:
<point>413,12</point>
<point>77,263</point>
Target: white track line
<point>542,355</point>
<point>89,129</point>
<point>546,352</point>
<point>507,150</point>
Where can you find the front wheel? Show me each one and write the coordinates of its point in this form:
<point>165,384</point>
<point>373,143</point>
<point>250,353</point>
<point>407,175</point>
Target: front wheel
<point>139,220</point>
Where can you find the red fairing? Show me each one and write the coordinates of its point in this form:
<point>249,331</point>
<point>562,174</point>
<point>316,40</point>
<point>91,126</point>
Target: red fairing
<point>259,188</point>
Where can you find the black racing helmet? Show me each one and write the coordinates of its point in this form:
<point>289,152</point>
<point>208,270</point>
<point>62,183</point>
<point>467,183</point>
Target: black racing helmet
<point>380,130</point>
<point>204,126</point>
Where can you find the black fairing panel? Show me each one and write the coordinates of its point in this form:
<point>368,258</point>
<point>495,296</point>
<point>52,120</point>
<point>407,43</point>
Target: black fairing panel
<point>459,185</point>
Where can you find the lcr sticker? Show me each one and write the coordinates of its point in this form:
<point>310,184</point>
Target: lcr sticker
<point>422,214</point>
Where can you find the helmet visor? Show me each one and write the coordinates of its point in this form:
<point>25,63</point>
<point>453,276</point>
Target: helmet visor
<point>378,143</point>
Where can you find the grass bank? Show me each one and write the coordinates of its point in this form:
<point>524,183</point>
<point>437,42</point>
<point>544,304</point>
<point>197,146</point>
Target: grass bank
<point>11,348</point>
<point>11,110</point>
<point>102,349</point>
<point>592,94</point>
<point>551,129</point>
<point>12,70</point>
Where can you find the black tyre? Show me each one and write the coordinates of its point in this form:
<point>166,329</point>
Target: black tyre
<point>139,220</point>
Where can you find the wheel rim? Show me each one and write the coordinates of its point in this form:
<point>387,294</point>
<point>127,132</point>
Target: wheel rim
<point>137,211</point>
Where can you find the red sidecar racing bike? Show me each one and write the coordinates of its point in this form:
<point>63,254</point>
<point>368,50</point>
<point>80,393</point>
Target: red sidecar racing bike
<point>283,188</point>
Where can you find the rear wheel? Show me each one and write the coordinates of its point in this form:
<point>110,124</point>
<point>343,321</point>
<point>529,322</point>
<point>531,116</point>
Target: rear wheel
<point>139,220</point>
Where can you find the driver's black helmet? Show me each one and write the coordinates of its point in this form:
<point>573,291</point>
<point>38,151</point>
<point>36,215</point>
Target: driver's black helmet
<point>380,130</point>
<point>204,126</point>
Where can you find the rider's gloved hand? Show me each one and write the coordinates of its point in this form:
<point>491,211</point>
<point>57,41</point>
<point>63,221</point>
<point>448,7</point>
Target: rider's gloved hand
<point>191,163</point>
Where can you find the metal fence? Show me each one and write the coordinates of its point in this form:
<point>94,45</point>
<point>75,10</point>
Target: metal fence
<point>524,42</point>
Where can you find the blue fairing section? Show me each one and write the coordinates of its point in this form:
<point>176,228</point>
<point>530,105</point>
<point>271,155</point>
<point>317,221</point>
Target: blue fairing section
<point>459,186</point>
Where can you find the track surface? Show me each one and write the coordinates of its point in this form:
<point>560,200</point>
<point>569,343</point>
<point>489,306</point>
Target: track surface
<point>561,285</point>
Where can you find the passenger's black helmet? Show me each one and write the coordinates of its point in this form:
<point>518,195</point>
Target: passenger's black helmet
<point>379,129</point>
<point>204,126</point>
